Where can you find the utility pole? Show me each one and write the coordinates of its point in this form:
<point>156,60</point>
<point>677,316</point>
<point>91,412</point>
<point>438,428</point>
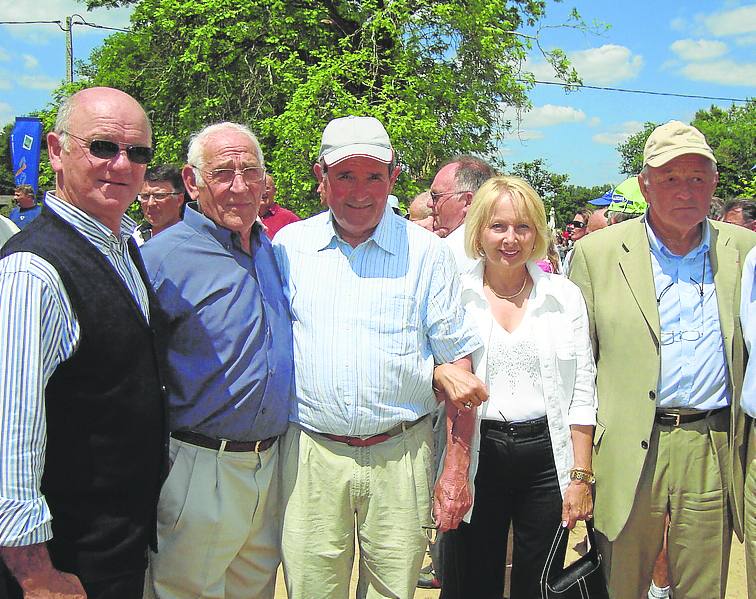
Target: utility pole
<point>69,50</point>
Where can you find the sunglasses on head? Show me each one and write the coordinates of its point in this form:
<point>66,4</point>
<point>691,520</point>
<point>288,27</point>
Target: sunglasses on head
<point>105,149</point>
<point>576,223</point>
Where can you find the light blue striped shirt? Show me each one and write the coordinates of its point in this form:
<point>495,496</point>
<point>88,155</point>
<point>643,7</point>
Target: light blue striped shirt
<point>369,323</point>
<point>39,331</point>
<point>748,322</point>
<point>693,363</point>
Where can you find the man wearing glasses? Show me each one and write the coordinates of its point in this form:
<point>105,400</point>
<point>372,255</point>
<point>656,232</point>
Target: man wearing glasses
<point>229,372</point>
<point>375,301</point>
<point>662,293</point>
<point>81,409</point>
<point>161,200</point>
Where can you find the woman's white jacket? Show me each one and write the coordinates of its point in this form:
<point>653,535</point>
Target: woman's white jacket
<point>568,372</point>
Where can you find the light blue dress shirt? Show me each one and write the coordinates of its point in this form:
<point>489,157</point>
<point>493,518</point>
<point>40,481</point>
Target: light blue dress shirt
<point>748,322</point>
<point>693,362</point>
<point>369,323</point>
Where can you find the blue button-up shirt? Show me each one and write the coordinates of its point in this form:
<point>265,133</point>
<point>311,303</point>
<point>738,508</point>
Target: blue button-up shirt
<point>693,362</point>
<point>229,347</point>
<point>369,322</point>
<point>748,322</point>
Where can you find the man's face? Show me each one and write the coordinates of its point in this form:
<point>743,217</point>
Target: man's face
<point>24,200</point>
<point>232,206</point>
<point>103,188</point>
<point>356,190</point>
<point>679,192</point>
<point>448,206</point>
<point>577,227</point>
<point>735,217</point>
<point>161,203</point>
<point>597,220</point>
<point>269,194</point>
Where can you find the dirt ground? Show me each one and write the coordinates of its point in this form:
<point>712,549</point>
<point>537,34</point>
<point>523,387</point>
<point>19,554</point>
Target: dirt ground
<point>736,587</point>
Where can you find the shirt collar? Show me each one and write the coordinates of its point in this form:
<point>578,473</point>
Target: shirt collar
<point>382,236</point>
<point>200,223</point>
<point>657,245</point>
<point>76,216</point>
<point>542,283</point>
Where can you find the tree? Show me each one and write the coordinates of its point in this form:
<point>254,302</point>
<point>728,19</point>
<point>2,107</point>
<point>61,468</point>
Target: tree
<point>435,72</point>
<point>631,150</point>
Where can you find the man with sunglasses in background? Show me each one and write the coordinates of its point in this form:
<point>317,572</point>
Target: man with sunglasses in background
<point>576,229</point>
<point>663,294</point>
<point>81,407</point>
<point>161,200</point>
<point>229,374</point>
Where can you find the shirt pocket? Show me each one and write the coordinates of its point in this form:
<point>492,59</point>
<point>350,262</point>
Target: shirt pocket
<point>565,358</point>
<point>393,325</point>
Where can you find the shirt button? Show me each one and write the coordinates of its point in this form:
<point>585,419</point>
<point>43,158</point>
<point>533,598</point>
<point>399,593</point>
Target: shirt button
<point>263,411</point>
<point>652,394</point>
<point>644,444</point>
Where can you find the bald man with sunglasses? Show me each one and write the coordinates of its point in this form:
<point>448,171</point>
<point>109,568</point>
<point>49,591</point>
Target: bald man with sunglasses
<point>81,407</point>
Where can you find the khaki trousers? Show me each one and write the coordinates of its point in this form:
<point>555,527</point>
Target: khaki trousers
<point>331,489</point>
<point>686,474</point>
<point>750,513</point>
<point>218,526</point>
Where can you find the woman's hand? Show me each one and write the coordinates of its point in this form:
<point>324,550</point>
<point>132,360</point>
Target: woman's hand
<point>577,504</point>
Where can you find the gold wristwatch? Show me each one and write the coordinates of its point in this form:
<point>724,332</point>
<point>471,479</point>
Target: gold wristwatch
<point>582,475</point>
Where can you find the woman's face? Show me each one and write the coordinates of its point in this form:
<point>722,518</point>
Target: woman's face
<point>509,237</point>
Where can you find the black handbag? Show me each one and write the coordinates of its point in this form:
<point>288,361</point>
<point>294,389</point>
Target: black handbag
<point>583,579</point>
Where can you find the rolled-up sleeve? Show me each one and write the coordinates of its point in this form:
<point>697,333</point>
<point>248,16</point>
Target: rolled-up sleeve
<point>584,403</point>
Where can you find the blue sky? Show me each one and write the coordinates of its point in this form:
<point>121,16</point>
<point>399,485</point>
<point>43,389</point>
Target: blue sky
<point>698,47</point>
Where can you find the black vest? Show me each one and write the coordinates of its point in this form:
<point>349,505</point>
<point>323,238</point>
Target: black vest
<point>105,412</point>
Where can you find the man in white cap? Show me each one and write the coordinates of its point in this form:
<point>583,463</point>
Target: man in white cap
<point>663,294</point>
<point>375,303</point>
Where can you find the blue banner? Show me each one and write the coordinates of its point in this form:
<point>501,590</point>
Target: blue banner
<point>26,143</point>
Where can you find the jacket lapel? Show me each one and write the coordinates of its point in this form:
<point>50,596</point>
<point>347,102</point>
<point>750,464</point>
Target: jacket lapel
<point>725,267</point>
<point>635,265</point>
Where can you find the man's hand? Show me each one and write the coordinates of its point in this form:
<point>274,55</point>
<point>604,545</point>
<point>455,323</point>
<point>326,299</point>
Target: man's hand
<point>451,499</point>
<point>32,568</point>
<point>456,383</point>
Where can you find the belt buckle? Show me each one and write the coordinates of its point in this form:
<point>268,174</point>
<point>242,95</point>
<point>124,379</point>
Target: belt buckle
<point>257,446</point>
<point>677,419</point>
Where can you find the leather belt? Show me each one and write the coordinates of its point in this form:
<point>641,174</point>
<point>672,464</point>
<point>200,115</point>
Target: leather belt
<point>678,417</point>
<point>375,439</point>
<point>215,444</point>
<point>526,428</point>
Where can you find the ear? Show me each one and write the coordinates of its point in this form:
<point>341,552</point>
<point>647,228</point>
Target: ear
<point>190,181</point>
<point>54,151</point>
<point>468,200</point>
<point>317,169</point>
<point>394,176</point>
<point>642,185</point>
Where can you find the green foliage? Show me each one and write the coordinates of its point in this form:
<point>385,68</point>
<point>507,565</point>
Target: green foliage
<point>434,72</point>
<point>631,150</point>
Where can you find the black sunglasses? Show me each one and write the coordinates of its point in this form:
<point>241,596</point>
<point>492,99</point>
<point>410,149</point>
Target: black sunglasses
<point>102,148</point>
<point>577,224</point>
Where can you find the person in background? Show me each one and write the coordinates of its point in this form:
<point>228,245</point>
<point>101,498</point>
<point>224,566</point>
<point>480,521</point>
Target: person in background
<point>663,295</point>
<point>161,199</point>
<point>274,216</point>
<point>577,228</point>
<point>81,402</point>
<point>530,458</point>
<point>740,212</point>
<point>26,209</point>
<point>7,229</point>
<point>419,211</point>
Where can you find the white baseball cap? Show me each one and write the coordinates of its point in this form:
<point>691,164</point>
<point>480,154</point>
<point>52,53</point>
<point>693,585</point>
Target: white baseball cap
<point>350,136</point>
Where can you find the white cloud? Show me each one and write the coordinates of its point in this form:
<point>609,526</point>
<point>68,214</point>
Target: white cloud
<point>596,66</point>
<point>523,135</point>
<point>5,80</point>
<point>549,115</point>
<point>678,24</point>
<point>618,134</point>
<point>594,121</point>
<point>739,21</point>
<point>30,62</point>
<point>723,72</point>
<point>608,64</point>
<point>746,40</point>
<point>38,82</point>
<point>7,113</point>
<point>693,50</point>
<point>58,10</point>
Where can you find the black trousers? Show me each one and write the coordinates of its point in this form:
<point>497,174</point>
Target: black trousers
<point>516,484</point>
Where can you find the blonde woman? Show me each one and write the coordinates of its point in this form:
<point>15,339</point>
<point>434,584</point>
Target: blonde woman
<point>530,461</point>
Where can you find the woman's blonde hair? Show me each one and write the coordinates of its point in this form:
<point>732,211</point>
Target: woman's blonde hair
<point>527,204</point>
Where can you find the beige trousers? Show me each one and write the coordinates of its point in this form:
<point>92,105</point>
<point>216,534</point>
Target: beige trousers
<point>750,513</point>
<point>218,526</point>
<point>331,489</point>
<point>685,474</point>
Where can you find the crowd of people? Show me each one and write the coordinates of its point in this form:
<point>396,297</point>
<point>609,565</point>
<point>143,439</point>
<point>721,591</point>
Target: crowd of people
<point>187,404</point>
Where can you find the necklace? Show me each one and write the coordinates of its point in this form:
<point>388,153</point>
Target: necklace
<point>506,297</point>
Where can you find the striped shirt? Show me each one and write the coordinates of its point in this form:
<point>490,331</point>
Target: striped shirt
<point>369,323</point>
<point>39,331</point>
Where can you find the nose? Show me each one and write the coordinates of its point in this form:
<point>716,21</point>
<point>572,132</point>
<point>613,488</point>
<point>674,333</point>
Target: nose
<point>120,161</point>
<point>239,185</point>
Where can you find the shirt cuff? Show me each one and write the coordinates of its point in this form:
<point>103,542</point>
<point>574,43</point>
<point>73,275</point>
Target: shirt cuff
<point>582,415</point>
<point>24,522</point>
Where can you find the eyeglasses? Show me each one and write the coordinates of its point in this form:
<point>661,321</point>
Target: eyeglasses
<point>106,149</point>
<point>226,176</point>
<point>158,197</point>
<point>669,337</point>
<point>576,224</point>
<point>436,196</point>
